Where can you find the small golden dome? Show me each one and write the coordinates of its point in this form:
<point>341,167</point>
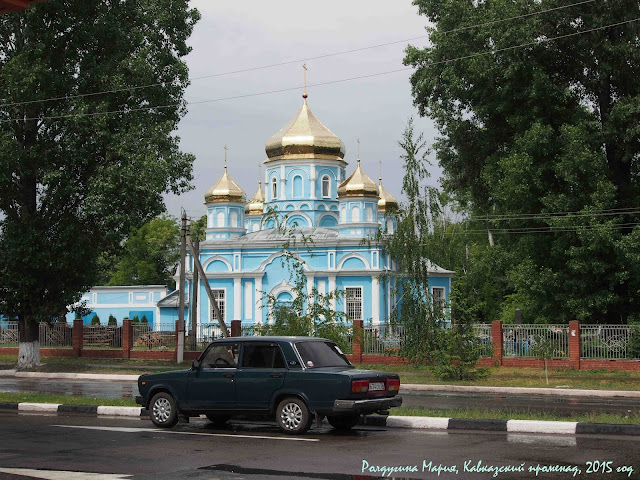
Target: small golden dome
<point>358,185</point>
<point>225,190</point>
<point>304,137</point>
<point>256,204</point>
<point>387,202</point>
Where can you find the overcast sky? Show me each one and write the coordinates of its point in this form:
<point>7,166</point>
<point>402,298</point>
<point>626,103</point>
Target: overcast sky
<point>253,33</point>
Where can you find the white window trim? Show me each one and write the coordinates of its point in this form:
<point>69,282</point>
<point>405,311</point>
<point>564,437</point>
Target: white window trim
<point>346,301</point>
<point>224,312</point>
<point>328,179</point>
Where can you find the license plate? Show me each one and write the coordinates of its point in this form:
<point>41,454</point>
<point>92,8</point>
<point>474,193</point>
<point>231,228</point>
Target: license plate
<point>375,386</point>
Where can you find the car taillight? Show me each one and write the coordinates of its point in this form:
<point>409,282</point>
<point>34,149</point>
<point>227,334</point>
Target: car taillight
<point>359,386</point>
<point>393,385</point>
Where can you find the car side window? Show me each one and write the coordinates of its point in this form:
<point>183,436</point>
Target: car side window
<point>262,356</point>
<point>224,355</point>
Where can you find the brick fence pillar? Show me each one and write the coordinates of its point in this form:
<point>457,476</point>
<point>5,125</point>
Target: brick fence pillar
<point>127,338</point>
<point>236,328</point>
<point>78,337</point>
<point>358,334</point>
<point>496,339</point>
<point>574,344</point>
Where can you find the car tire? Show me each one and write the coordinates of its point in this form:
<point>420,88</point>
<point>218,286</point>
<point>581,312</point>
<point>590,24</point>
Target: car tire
<point>218,420</point>
<point>163,410</point>
<point>343,422</point>
<point>293,416</point>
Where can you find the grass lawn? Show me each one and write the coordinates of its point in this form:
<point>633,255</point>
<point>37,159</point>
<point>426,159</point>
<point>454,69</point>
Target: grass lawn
<point>66,399</point>
<point>96,365</point>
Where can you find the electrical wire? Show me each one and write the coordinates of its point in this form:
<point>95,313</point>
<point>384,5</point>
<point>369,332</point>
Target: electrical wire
<point>272,65</point>
<point>330,82</point>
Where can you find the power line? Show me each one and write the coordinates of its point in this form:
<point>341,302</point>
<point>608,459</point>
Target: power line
<point>550,229</point>
<point>272,65</point>
<point>330,82</point>
<point>554,215</point>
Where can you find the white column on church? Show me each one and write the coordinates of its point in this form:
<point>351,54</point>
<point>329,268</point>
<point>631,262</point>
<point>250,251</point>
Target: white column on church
<point>258,304</point>
<point>237,298</point>
<point>312,177</point>
<point>375,300</point>
<point>332,288</point>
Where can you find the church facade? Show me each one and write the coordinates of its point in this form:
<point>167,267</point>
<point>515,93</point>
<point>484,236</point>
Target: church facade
<point>307,192</point>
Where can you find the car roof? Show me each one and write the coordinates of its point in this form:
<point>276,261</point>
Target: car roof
<point>271,339</point>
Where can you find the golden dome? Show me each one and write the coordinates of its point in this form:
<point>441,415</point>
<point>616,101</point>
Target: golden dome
<point>358,185</point>
<point>304,137</point>
<point>225,190</point>
<point>387,202</point>
<point>256,204</point>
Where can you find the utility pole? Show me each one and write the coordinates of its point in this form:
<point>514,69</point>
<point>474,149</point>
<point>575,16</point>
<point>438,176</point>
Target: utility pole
<point>205,282</point>
<point>183,255</point>
<point>194,294</point>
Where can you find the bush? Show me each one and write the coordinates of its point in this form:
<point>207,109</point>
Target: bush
<point>144,319</point>
<point>95,320</point>
<point>135,319</point>
<point>112,321</point>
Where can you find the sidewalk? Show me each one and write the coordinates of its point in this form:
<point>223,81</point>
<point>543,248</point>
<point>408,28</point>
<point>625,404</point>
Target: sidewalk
<point>429,423</point>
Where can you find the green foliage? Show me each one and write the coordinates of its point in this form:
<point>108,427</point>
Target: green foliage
<point>545,349</point>
<point>95,320</point>
<point>135,319</point>
<point>422,237</point>
<point>112,321</point>
<point>309,312</point>
<point>144,319</point>
<point>539,148</point>
<point>72,186</point>
<point>149,254</point>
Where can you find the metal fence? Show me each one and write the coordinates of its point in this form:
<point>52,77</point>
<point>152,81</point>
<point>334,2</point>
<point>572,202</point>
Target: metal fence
<point>9,334</point>
<point>383,338</point>
<point>55,335</point>
<point>528,340</point>
<point>205,334</point>
<point>610,342</point>
<point>102,336</point>
<point>485,339</point>
<point>161,336</point>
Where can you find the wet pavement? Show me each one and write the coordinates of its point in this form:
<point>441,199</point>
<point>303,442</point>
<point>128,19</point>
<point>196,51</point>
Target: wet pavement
<point>562,405</point>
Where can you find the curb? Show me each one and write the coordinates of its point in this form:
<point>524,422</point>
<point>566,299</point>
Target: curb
<point>423,423</point>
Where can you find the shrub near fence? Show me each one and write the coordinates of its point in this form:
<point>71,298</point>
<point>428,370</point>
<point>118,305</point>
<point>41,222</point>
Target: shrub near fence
<point>610,342</point>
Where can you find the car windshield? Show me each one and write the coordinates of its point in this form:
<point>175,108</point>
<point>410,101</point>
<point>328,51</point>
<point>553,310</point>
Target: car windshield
<point>321,354</point>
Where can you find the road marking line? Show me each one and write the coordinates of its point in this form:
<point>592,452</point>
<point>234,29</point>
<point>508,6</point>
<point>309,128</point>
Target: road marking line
<point>172,432</point>
<point>64,475</point>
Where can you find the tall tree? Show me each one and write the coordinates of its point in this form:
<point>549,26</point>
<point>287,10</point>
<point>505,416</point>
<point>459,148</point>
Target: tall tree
<point>540,139</point>
<point>79,168</point>
<point>149,255</point>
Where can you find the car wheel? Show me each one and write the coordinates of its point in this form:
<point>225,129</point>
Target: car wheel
<point>163,410</point>
<point>218,420</point>
<point>293,416</point>
<point>343,422</point>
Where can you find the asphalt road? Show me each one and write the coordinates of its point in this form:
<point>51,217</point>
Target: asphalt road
<point>54,446</point>
<point>441,400</point>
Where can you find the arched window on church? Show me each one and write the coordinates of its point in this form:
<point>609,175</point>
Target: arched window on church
<point>369,214</point>
<point>355,215</point>
<point>220,219</point>
<point>233,219</point>
<point>343,215</point>
<point>326,187</point>
<point>297,187</point>
<point>274,188</point>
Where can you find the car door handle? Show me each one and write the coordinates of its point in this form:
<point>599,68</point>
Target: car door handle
<point>276,375</point>
<point>228,375</point>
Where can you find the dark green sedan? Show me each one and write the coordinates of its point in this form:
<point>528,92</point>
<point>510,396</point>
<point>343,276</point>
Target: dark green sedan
<point>295,379</point>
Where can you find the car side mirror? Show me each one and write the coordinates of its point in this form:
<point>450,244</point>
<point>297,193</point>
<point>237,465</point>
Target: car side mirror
<point>195,365</point>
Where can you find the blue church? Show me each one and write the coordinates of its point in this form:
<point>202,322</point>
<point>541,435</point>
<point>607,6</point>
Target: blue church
<point>309,191</point>
<point>306,193</point>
